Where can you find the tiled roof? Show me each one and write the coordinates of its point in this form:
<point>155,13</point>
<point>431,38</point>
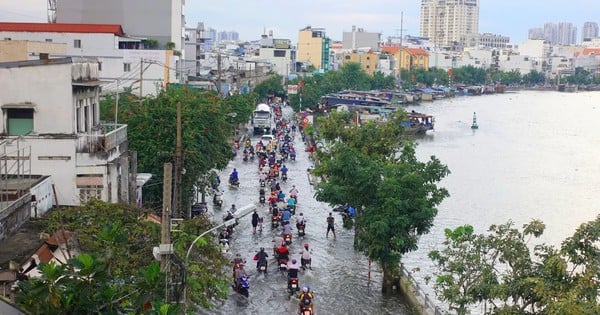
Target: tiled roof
<point>62,28</point>
<point>390,49</point>
<point>591,51</point>
<point>417,51</point>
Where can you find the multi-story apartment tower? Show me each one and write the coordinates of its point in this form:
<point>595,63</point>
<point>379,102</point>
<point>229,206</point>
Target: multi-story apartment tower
<point>313,47</point>
<point>445,21</point>
<point>567,34</point>
<point>590,30</point>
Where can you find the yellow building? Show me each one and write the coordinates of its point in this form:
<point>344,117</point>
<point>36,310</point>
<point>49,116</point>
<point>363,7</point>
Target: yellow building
<point>367,60</point>
<point>408,58</point>
<point>313,47</point>
<point>19,50</point>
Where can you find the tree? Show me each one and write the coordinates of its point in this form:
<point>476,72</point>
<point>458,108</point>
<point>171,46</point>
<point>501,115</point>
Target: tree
<point>355,78</point>
<point>271,86</point>
<point>502,270</point>
<point>395,194</point>
<point>208,122</point>
<point>120,240</point>
<point>382,82</point>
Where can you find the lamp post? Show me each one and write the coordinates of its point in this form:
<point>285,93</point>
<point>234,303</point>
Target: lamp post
<point>242,212</point>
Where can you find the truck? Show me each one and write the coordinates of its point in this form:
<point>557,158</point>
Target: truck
<point>261,119</point>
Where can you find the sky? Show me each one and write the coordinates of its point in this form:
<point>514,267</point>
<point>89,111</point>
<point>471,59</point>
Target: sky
<point>250,18</point>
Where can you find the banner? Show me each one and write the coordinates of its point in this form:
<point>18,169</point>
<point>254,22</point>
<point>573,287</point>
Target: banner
<point>292,89</point>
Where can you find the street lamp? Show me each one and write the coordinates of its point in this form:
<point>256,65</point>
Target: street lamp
<point>242,212</point>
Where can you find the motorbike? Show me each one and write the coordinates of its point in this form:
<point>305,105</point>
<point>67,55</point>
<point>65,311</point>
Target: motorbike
<point>199,208</point>
<point>218,200</point>
<point>300,227</point>
<point>305,263</point>
<point>293,156</point>
<point>263,183</point>
<point>242,286</point>
<point>282,264</point>
<point>287,238</point>
<point>275,221</point>
<point>306,310</point>
<point>284,177</point>
<point>234,182</point>
<point>224,244</point>
<point>262,200</point>
<point>293,285</point>
<point>292,209</point>
<point>262,266</point>
<point>245,157</point>
<point>251,156</point>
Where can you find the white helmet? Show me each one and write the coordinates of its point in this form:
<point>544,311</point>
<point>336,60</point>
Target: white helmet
<point>305,289</point>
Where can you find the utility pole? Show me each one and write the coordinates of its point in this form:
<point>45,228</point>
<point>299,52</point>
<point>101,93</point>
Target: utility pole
<point>165,228</point>
<point>219,72</point>
<point>178,168</point>
<point>117,104</point>
<point>141,78</point>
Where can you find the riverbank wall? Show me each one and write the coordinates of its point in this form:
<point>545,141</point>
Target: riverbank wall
<point>418,300</point>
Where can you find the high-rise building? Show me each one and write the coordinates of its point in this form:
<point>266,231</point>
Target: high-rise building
<point>160,20</point>
<point>445,21</point>
<point>313,47</point>
<point>589,31</point>
<point>536,33</point>
<point>567,34</point>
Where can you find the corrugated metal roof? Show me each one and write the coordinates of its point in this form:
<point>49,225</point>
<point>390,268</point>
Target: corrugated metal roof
<point>62,28</point>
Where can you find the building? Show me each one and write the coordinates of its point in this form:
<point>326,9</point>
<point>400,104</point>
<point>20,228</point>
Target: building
<point>445,21</point>
<point>279,52</point>
<point>159,20</point>
<point>536,33</point>
<point>368,60</point>
<point>485,40</point>
<point>52,107</point>
<point>589,31</point>
<point>313,48</point>
<point>567,34</point>
<point>195,40</point>
<point>16,50</point>
<point>359,38</point>
<point>407,58</point>
<point>123,61</point>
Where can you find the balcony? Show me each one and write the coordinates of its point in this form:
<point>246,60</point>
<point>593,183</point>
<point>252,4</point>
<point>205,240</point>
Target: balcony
<point>102,139</point>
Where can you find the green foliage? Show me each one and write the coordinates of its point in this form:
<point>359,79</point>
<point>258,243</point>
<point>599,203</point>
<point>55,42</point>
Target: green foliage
<point>503,270</point>
<point>534,77</point>
<point>116,242</point>
<point>208,122</point>
<point>395,195</point>
<point>271,86</point>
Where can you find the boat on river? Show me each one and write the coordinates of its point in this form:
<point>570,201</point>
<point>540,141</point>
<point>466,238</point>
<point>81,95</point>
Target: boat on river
<point>353,98</point>
<point>417,123</point>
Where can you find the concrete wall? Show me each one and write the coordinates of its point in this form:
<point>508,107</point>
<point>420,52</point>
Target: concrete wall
<point>48,88</point>
<point>13,215</point>
<point>44,197</point>
<point>281,65</point>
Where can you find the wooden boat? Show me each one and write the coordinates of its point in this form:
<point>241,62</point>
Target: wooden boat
<point>418,123</point>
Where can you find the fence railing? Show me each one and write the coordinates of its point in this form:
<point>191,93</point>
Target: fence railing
<point>428,304</point>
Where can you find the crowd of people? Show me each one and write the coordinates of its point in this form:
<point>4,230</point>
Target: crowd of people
<point>273,172</point>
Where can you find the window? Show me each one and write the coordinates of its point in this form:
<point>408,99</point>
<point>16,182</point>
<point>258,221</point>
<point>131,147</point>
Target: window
<point>126,67</point>
<point>278,53</point>
<point>347,57</point>
<point>88,193</point>
<point>99,66</point>
<point>6,38</point>
<point>19,121</point>
<point>48,40</point>
<point>77,43</point>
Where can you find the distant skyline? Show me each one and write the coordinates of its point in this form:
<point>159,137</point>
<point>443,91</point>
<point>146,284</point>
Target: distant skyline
<point>250,19</point>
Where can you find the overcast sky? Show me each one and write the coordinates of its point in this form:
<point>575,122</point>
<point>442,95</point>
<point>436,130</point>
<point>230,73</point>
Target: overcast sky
<point>285,17</point>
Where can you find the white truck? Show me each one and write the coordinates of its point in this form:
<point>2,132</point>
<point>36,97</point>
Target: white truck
<point>262,119</point>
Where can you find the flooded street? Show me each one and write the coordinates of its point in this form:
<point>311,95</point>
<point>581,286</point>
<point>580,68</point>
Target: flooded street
<point>339,275</point>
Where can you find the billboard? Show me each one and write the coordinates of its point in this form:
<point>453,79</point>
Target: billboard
<point>292,89</point>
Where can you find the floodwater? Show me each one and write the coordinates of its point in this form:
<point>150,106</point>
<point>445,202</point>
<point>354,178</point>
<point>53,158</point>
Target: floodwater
<point>534,156</point>
<point>339,275</point>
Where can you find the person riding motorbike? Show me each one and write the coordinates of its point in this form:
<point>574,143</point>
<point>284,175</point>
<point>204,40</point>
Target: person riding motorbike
<point>292,271</point>
<point>281,196</point>
<point>305,300</point>
<point>287,228</point>
<point>277,242</point>
<point>291,202</point>
<point>305,257</point>
<point>300,219</point>
<point>261,257</point>
<point>287,215</point>
<point>294,192</point>
<point>283,253</point>
<point>233,177</point>
<point>233,209</point>
<point>224,234</point>
<point>284,170</point>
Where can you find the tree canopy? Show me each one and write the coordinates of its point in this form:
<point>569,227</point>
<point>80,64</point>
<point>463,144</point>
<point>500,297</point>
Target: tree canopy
<point>502,270</point>
<point>208,123</point>
<point>375,170</point>
<point>115,271</point>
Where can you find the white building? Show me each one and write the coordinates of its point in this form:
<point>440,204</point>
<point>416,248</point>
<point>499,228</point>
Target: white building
<point>359,38</point>
<point>589,31</point>
<point>278,52</point>
<point>160,20</point>
<point>52,107</point>
<point>445,21</point>
<point>122,61</point>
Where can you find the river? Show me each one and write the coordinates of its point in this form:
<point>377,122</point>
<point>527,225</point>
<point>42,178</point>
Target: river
<point>534,156</point>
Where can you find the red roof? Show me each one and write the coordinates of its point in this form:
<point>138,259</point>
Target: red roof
<point>390,49</point>
<point>62,28</point>
<point>417,51</point>
<point>591,51</point>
